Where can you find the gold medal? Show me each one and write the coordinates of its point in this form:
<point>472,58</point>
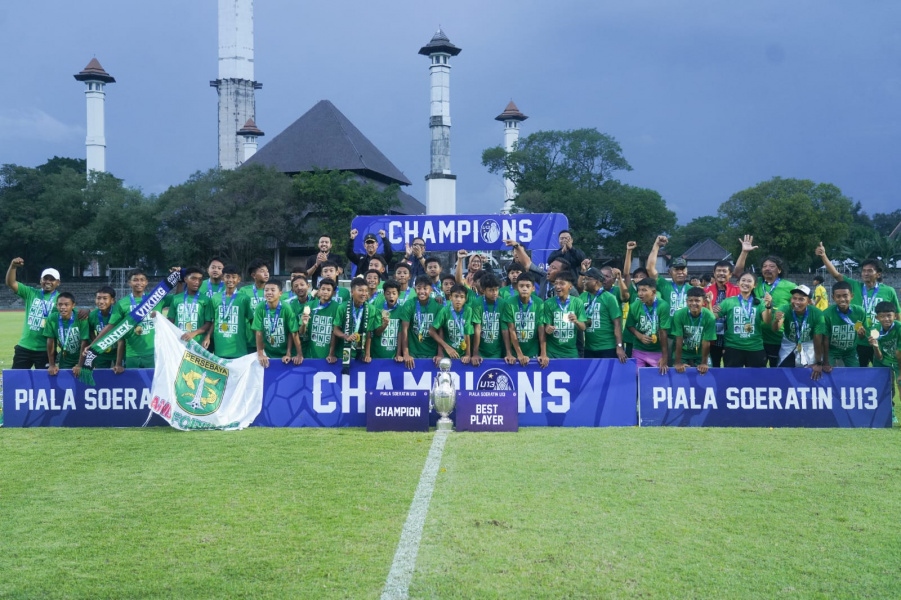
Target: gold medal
<point>139,330</point>
<point>858,326</point>
<point>64,354</point>
<point>386,314</point>
<point>654,338</point>
<point>271,340</point>
<point>108,350</point>
<point>189,326</point>
<point>43,322</point>
<point>463,346</point>
<point>749,328</point>
<point>420,336</point>
<point>798,348</point>
<point>223,328</point>
<point>522,335</point>
<point>306,311</point>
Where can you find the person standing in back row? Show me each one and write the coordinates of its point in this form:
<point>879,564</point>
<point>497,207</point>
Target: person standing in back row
<point>31,351</point>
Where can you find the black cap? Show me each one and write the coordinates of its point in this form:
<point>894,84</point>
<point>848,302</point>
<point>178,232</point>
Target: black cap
<point>594,273</point>
<point>370,236</point>
<point>678,263</point>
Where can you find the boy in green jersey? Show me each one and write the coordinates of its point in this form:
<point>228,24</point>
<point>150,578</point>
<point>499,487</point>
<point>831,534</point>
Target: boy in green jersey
<point>232,317</point>
<point>259,275</point>
<point>433,271</point>
<point>563,316</point>
<point>453,327</point>
<point>301,304</point>
<point>402,275</point>
<point>339,295</point>
<point>66,330</point>
<point>99,318</point>
<point>448,281</point>
<point>373,284</point>
<point>803,332</point>
<point>522,317</point>
<point>885,339</point>
<point>139,344</point>
<point>31,351</point>
<point>215,284</point>
<point>845,325</point>
<point>868,292</point>
<point>649,319</point>
<point>384,325</point>
<point>488,335</point>
<point>273,326</point>
<point>603,334</point>
<point>694,327</point>
<point>191,311</point>
<point>351,324</point>
<point>317,326</point>
<point>416,319</point>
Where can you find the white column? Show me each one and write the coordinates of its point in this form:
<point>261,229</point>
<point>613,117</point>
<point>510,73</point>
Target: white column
<point>236,39</point>
<point>95,141</point>
<point>250,146</point>
<point>511,136</point>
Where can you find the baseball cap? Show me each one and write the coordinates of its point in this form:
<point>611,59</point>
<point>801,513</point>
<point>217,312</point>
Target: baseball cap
<point>802,289</point>
<point>678,263</point>
<point>594,273</point>
<point>52,272</point>
<point>370,236</point>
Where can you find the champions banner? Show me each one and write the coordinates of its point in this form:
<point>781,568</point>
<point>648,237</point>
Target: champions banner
<point>569,393</point>
<point>194,389</point>
<point>847,397</point>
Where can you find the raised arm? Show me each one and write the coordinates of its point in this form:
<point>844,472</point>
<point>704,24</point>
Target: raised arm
<point>651,265</point>
<point>821,252</point>
<point>627,263</point>
<point>458,274</point>
<point>11,282</point>
<point>747,246</point>
<point>519,254</point>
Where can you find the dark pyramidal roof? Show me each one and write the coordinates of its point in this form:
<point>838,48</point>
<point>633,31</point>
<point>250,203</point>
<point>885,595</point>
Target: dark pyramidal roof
<point>323,138</point>
<point>440,43</point>
<point>94,72</point>
<point>511,113</point>
<point>707,250</point>
<point>250,128</point>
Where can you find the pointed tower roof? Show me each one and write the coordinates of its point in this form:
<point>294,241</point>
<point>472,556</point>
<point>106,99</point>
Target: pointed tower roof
<point>323,138</point>
<point>94,72</point>
<point>440,43</point>
<point>250,128</point>
<point>511,113</point>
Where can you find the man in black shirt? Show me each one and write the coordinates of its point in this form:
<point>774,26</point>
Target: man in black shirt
<point>371,247</point>
<point>313,268</point>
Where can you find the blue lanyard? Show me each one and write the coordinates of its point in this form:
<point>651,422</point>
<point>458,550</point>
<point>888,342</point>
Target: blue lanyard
<point>651,318</point>
<point>419,315</point>
<point>522,313</point>
<point>772,287</point>
<point>322,306</point>
<point>882,334</point>
<point>193,308</point>
<point>47,305</point>
<point>64,333</point>
<point>458,320</point>
<point>272,323</point>
<point>680,293</point>
<point>230,302</point>
<point>209,288</point>
<point>749,309</point>
<point>485,304</point>
<point>407,295</point>
<point>358,315</point>
<point>100,317</point>
<point>869,300</point>
<point>389,309</point>
<point>844,316</point>
<point>595,299</point>
<point>564,307</point>
<point>799,328</point>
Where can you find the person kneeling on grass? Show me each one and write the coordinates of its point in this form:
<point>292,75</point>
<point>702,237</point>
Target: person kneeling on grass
<point>66,330</point>
<point>648,320</point>
<point>803,332</point>
<point>694,327</point>
<point>273,324</point>
<point>885,339</point>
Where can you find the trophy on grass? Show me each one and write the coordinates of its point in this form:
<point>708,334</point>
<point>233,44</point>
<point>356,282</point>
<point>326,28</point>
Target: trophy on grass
<point>444,395</point>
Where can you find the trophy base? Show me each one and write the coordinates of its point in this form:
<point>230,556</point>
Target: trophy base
<point>444,424</point>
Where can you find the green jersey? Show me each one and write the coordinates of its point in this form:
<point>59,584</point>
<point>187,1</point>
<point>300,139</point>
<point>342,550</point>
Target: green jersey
<point>96,322</point>
<point>743,323</point>
<point>491,342</point>
<point>232,319</point>
<point>358,325</point>
<point>254,294</point>
<point>68,335</point>
<point>420,318</point>
<point>456,325</point>
<point>649,320</point>
<point>297,306</point>
<point>276,325</point>
<point>209,289</point>
<point>693,331</point>
<point>841,328</point>
<point>562,343</point>
<point>601,309</point>
<point>384,345</point>
<point>889,343</point>
<point>38,306</point>
<point>511,293</point>
<point>867,298</point>
<point>190,313</point>
<point>802,328</point>
<point>341,295</point>
<point>140,341</point>
<point>526,319</point>
<point>781,292</point>
<point>675,295</point>
<point>323,318</point>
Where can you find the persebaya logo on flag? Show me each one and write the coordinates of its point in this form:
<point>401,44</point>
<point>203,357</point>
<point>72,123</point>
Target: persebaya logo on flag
<point>200,385</point>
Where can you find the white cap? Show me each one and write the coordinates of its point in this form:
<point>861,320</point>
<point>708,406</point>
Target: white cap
<point>52,272</point>
<point>803,289</point>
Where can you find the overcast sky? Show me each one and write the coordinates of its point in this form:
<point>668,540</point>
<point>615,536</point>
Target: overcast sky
<point>706,97</point>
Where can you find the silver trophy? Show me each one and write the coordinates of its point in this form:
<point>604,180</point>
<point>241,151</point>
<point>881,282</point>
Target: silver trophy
<point>444,395</point>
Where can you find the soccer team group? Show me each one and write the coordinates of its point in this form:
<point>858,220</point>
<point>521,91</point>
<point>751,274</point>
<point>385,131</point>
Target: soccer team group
<point>570,310</point>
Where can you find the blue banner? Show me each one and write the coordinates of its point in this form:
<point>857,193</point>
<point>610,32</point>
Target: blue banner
<point>468,232</point>
<point>847,397</point>
<point>569,393</point>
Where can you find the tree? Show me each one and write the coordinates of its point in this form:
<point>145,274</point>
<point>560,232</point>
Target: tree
<point>788,218</point>
<point>872,245</point>
<point>697,230</point>
<point>885,223</point>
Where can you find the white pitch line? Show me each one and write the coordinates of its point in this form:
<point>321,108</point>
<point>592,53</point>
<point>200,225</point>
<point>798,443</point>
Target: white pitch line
<point>397,587</point>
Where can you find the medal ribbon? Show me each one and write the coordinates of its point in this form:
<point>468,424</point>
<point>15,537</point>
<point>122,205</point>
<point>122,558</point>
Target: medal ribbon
<point>799,328</point>
<point>522,313</point>
<point>680,294</point>
<point>651,318</point>
<point>458,321</point>
<point>595,299</point>
<point>488,336</point>
<point>192,309</point>
<point>64,333</point>
<point>358,315</point>
<point>844,316</point>
<point>749,309</point>
<point>270,322</point>
<point>47,305</point>
<point>691,324</point>
<point>869,301</point>
<point>772,287</point>
<point>882,334</point>
<point>209,288</point>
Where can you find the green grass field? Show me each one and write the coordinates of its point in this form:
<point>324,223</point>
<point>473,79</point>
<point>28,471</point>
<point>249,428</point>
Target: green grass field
<point>545,513</point>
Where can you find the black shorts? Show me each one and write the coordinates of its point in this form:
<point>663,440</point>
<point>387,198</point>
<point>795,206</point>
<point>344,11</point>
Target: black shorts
<point>611,353</point>
<point>734,358</point>
<point>26,359</point>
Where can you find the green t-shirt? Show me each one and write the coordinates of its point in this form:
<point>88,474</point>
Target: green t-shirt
<point>744,326</point>
<point>693,331</point>
<point>562,343</point>
<point>297,306</point>
<point>781,292</point>
<point>319,329</point>
<point>209,291</point>
<point>384,345</point>
<point>38,306</point>
<point>189,313</point>
<point>601,309</point>
<point>841,328</point>
<point>254,295</point>
<point>511,293</point>
<point>809,326</point>
<point>140,341</point>
<point>881,293</point>
<point>889,342</point>
<point>68,336</point>
<point>276,325</point>
<point>491,342</point>
<point>96,323</point>
<point>649,320</point>
<point>361,326</point>
<point>526,319</point>
<point>675,295</point>
<point>455,326</point>
<point>232,318</point>
<point>420,318</point>
<point>341,295</point>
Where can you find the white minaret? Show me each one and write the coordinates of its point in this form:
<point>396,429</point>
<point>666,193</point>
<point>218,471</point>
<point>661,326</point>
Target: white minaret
<point>235,84</point>
<point>95,80</point>
<point>511,118</point>
<point>250,132</point>
<point>441,185</point>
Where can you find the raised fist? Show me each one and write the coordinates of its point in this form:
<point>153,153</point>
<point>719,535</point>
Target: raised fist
<point>18,262</point>
<point>353,234</point>
<point>631,245</point>
<point>661,240</point>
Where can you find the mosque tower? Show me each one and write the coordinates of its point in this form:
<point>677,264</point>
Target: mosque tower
<point>250,132</point>
<point>441,185</point>
<point>511,118</point>
<point>95,79</point>
<point>235,85</point>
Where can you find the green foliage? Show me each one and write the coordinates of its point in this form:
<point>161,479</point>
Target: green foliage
<point>872,244</point>
<point>788,218</point>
